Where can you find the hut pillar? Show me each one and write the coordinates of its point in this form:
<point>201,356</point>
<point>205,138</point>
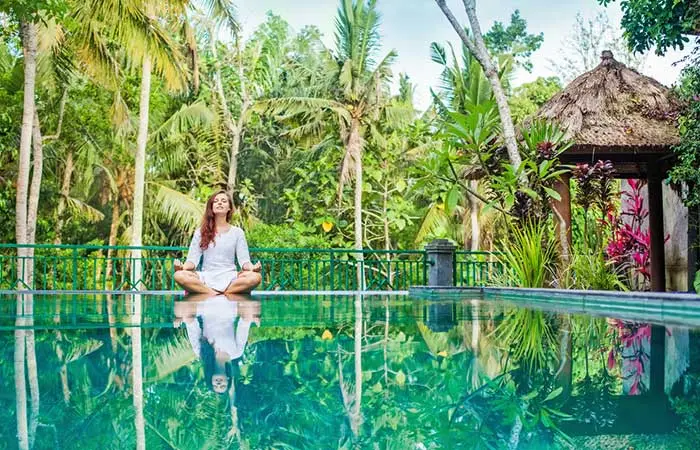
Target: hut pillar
<point>563,206</point>
<point>656,228</point>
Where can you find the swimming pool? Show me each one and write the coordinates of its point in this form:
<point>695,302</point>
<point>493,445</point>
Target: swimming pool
<point>342,371</point>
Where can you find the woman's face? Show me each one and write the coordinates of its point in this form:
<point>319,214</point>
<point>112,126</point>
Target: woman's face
<point>219,383</point>
<point>221,204</point>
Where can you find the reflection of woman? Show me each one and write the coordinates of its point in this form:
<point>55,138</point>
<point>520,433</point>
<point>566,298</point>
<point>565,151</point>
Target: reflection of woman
<point>219,244</point>
<point>217,328</point>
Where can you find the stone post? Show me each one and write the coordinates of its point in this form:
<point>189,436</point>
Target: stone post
<point>441,260</point>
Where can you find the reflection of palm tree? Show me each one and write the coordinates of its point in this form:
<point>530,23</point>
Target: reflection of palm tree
<point>137,372</point>
<point>20,380</point>
<point>25,353</point>
<point>352,399</point>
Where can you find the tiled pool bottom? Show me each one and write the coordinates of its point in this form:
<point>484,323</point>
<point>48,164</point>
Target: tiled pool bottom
<point>343,371</point>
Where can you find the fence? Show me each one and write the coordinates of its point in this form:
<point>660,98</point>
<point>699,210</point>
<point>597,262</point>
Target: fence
<point>95,267</point>
<point>477,269</point>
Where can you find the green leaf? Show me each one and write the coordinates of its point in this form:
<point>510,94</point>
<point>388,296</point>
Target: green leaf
<point>530,396</point>
<point>546,420</point>
<point>452,199</point>
<point>554,394</point>
<point>552,193</point>
<point>530,193</point>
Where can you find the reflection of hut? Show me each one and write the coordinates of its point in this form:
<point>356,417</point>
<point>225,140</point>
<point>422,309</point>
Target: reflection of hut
<point>614,113</point>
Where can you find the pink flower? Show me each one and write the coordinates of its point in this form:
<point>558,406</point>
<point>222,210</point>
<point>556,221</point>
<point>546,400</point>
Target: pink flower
<point>611,359</point>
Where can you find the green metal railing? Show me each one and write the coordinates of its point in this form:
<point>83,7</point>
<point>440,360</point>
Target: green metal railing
<point>476,269</point>
<point>95,267</point>
<point>100,268</point>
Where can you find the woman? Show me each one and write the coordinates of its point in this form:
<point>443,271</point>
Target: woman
<point>219,244</point>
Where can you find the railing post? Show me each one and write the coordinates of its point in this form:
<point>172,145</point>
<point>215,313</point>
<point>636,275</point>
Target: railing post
<point>75,269</point>
<point>332,270</point>
<point>441,260</point>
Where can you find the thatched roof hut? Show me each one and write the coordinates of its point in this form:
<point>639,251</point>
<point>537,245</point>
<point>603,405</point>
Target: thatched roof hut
<point>615,113</point>
<point>615,110</point>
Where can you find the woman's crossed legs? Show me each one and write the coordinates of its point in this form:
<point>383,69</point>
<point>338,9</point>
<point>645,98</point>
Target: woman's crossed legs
<point>244,283</point>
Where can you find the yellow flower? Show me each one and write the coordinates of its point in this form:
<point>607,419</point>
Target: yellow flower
<point>443,354</point>
<point>327,226</point>
<point>327,335</point>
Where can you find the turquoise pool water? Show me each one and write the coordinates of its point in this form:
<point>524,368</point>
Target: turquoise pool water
<point>341,371</point>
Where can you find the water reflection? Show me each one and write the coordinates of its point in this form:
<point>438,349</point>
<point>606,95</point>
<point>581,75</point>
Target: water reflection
<point>322,372</point>
<point>217,328</point>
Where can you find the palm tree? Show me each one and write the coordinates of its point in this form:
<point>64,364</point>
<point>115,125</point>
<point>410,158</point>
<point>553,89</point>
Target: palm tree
<point>28,31</point>
<point>360,95</point>
<point>165,57</point>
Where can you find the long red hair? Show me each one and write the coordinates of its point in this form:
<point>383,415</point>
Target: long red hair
<point>208,227</point>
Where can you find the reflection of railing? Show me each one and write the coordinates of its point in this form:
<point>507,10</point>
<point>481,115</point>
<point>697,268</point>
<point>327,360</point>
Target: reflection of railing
<point>477,269</point>
<point>95,267</point>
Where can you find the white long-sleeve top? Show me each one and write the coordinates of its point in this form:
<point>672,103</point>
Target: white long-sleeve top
<point>219,263</point>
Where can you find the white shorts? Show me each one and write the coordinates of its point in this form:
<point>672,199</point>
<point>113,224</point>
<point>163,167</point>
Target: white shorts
<point>218,280</point>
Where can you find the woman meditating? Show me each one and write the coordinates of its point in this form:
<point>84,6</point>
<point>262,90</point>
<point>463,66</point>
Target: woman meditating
<point>220,244</point>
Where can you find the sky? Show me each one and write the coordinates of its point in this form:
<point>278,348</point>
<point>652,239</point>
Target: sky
<point>409,26</point>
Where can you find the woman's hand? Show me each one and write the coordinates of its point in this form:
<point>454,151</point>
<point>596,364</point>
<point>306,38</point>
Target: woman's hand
<point>257,267</point>
<point>180,266</point>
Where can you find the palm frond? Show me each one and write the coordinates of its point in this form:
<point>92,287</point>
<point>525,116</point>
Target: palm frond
<point>80,349</point>
<point>435,222</point>
<point>119,112</point>
<point>80,208</point>
<point>437,53</point>
<point>140,34</point>
<point>223,12</point>
<point>180,209</point>
<point>357,34</point>
<point>292,106</point>
<point>184,120</point>
<point>169,358</point>
<point>55,58</point>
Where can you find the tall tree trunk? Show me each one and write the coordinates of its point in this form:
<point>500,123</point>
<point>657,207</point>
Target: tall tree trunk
<point>62,200</point>
<point>29,47</point>
<point>478,48</point>
<point>113,229</point>
<point>34,194</point>
<point>474,213</point>
<point>235,130</point>
<point>387,238</point>
<point>223,103</point>
<point>355,149</point>
<point>137,373</point>
<point>140,173</point>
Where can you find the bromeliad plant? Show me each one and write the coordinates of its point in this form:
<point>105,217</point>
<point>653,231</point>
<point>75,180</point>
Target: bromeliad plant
<point>629,246</point>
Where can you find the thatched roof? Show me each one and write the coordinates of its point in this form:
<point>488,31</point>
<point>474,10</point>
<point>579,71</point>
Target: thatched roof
<point>615,108</point>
